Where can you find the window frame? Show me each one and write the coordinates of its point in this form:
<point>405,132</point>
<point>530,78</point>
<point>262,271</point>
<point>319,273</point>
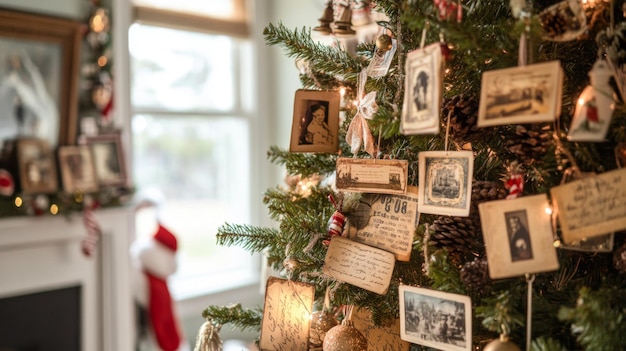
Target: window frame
<point>238,28</point>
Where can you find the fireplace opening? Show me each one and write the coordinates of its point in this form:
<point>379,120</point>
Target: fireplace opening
<point>43,321</point>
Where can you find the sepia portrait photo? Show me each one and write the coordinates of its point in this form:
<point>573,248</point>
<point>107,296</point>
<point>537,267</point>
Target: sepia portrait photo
<point>445,179</point>
<point>108,159</point>
<point>315,125</point>
<point>77,169</point>
<point>522,94</point>
<point>518,236</point>
<point>435,319</point>
<point>422,98</point>
<point>37,166</point>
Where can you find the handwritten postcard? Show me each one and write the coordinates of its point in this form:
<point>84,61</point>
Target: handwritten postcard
<point>285,325</point>
<point>358,264</point>
<point>372,175</point>
<point>591,206</point>
<point>379,338</point>
<point>386,222</point>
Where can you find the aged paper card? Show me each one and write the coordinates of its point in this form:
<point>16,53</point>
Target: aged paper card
<point>386,222</point>
<point>372,175</point>
<point>518,236</point>
<point>591,206</point>
<point>364,266</point>
<point>285,325</point>
<point>379,338</point>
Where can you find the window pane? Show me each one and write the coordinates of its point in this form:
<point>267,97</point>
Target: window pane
<point>200,165</point>
<point>181,70</point>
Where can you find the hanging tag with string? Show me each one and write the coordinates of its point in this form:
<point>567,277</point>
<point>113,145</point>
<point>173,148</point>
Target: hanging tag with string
<point>359,133</point>
<point>286,315</point>
<point>384,52</point>
<point>423,84</point>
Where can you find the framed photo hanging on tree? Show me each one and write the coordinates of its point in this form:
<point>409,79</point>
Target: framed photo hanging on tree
<point>422,98</point>
<point>518,236</point>
<point>445,179</point>
<point>521,94</point>
<point>435,318</point>
<point>315,125</point>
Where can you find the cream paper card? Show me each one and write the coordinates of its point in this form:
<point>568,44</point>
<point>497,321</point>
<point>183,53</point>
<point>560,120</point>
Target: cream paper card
<point>518,236</point>
<point>379,338</point>
<point>286,322</point>
<point>358,264</point>
<point>591,206</point>
<point>386,222</point>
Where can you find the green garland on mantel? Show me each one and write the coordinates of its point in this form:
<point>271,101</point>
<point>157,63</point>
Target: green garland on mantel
<point>61,203</point>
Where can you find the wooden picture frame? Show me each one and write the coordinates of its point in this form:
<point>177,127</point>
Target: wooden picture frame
<point>449,317</point>
<point>521,94</point>
<point>445,179</point>
<point>310,134</point>
<point>77,170</point>
<point>108,159</point>
<point>518,236</point>
<point>39,56</point>
<point>36,166</point>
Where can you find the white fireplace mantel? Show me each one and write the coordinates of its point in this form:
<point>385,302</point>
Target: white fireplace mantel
<point>43,253</point>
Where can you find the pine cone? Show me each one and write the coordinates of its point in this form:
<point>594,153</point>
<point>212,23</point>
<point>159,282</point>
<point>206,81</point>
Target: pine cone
<point>457,235</point>
<point>483,191</point>
<point>463,116</point>
<point>529,142</point>
<point>475,275</point>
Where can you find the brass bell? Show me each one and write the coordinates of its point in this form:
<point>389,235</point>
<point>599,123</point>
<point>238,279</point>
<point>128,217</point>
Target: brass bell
<point>326,20</point>
<point>343,23</point>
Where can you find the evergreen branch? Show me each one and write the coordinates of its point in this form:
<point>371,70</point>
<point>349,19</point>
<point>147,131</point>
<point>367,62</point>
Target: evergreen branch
<point>305,164</point>
<point>299,44</point>
<point>599,318</point>
<point>251,238</point>
<point>445,276</point>
<point>241,318</point>
<point>501,313</point>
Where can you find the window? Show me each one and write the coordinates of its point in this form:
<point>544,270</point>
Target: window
<point>190,136</point>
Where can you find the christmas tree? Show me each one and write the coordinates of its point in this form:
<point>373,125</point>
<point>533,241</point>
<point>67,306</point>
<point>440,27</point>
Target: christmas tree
<point>517,153</point>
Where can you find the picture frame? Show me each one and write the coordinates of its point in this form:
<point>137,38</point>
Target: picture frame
<point>315,126</point>
<point>518,236</point>
<point>36,166</point>
<point>521,94</point>
<point>445,179</point>
<point>435,318</point>
<point>40,56</point>
<point>108,159</point>
<point>77,169</point>
<point>372,175</point>
<point>420,109</point>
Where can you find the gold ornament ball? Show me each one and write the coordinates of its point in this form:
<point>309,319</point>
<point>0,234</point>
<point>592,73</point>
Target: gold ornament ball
<point>344,337</point>
<point>502,344</point>
<point>383,43</point>
<point>321,323</point>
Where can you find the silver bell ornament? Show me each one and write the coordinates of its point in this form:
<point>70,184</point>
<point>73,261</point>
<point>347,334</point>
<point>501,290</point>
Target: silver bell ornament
<point>501,344</point>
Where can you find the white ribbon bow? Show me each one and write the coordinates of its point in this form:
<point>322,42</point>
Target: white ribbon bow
<point>359,131</point>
